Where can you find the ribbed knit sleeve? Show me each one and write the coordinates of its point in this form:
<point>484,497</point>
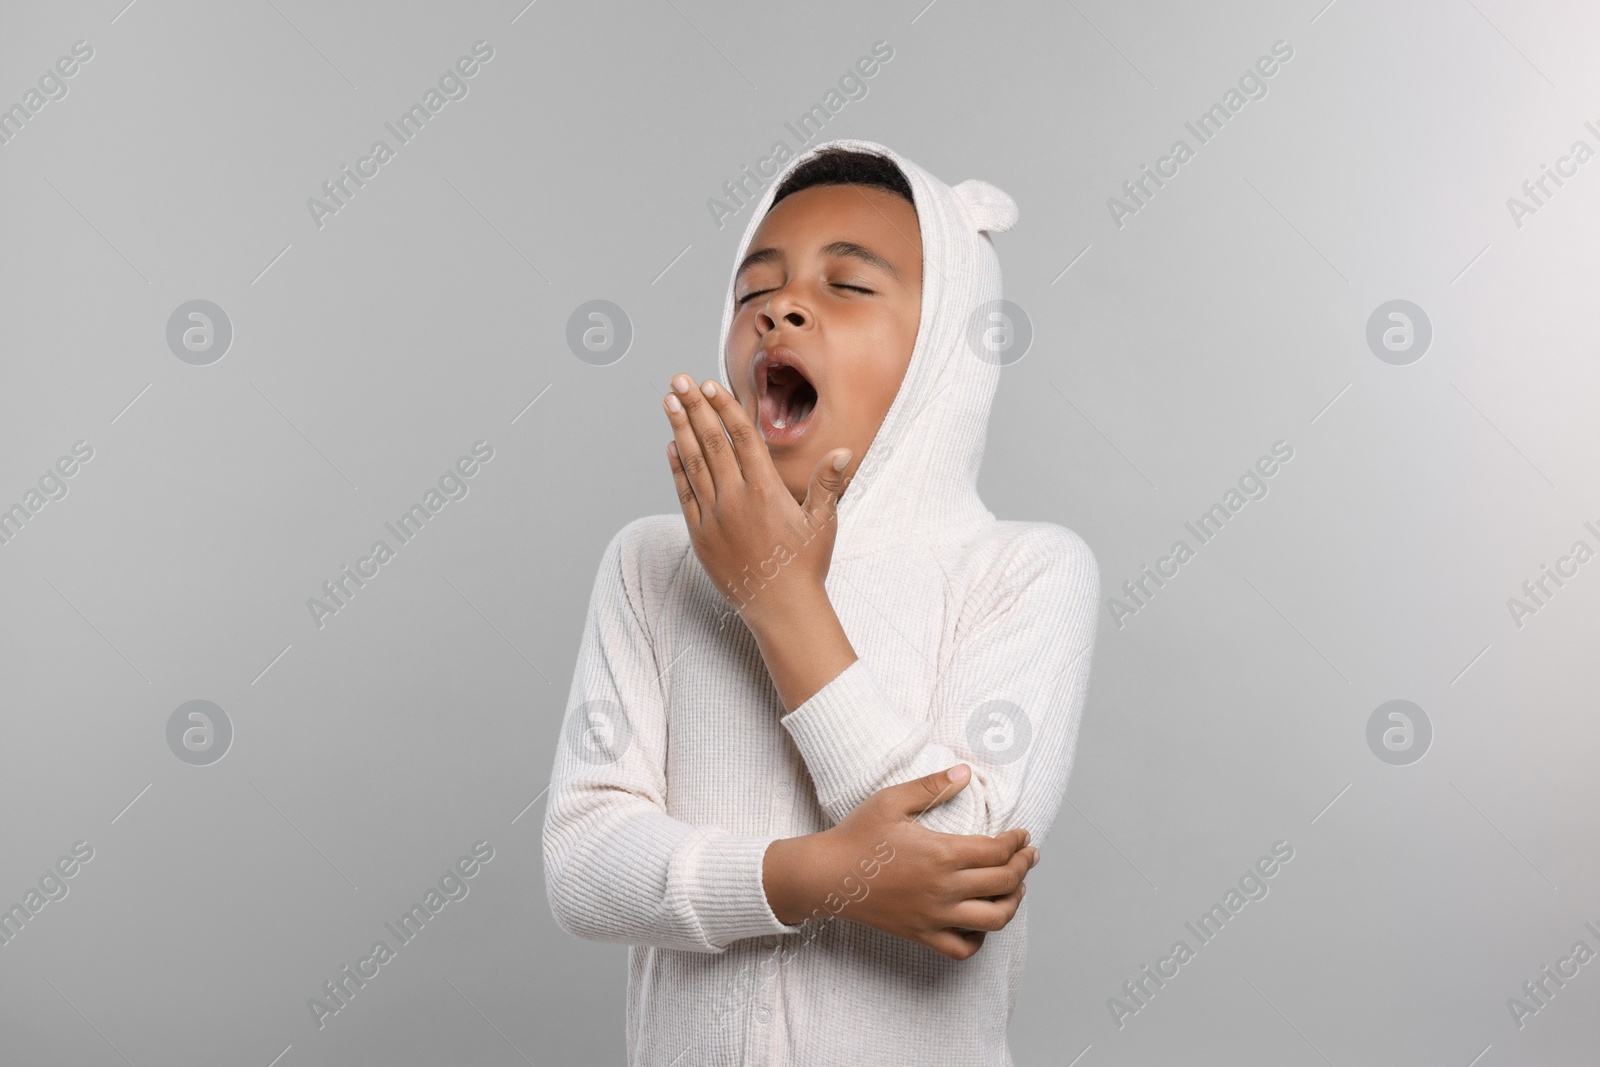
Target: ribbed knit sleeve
<point>1008,704</point>
<point>617,866</point>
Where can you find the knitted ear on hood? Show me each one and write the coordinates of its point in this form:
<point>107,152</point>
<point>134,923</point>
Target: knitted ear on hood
<point>986,207</point>
<point>918,480</point>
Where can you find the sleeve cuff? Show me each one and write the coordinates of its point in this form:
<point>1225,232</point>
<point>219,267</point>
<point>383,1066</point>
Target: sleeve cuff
<point>849,731</point>
<point>733,893</point>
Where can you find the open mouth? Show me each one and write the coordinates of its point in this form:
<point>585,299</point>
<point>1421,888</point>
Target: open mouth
<point>787,400</point>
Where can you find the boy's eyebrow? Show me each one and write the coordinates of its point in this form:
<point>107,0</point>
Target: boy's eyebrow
<point>867,255</point>
<point>760,255</point>
<point>837,248</point>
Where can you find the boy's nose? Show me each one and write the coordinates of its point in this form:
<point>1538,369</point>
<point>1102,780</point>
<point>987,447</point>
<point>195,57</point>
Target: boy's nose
<point>793,317</point>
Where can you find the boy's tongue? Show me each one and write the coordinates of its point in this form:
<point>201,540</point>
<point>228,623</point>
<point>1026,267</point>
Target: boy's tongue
<point>788,398</point>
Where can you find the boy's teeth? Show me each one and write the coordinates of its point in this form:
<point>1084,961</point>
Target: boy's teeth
<point>779,423</point>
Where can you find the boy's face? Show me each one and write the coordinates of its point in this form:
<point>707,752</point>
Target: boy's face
<point>832,287</point>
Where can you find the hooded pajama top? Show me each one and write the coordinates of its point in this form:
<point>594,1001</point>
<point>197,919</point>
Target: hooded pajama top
<point>678,765</point>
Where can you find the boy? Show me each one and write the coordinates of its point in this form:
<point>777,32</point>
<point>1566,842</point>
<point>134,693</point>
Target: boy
<point>737,773</point>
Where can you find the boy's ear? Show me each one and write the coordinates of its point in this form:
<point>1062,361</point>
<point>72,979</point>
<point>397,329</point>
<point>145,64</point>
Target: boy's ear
<point>985,206</point>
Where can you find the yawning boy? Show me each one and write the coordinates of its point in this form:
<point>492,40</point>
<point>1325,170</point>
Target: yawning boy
<point>763,785</point>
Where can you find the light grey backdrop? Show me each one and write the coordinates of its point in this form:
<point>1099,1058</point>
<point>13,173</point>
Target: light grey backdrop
<point>1174,346</point>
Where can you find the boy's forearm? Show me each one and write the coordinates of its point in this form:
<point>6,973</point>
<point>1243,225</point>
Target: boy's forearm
<point>804,646</point>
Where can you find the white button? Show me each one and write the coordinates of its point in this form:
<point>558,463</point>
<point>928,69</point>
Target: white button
<point>762,1015</point>
<point>784,790</point>
<point>770,941</point>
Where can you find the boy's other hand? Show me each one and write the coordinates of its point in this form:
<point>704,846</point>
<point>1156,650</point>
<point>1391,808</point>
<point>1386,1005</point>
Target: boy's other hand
<point>946,891</point>
<point>767,554</point>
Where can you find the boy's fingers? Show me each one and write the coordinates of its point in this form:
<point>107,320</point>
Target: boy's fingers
<point>686,497</point>
<point>707,426</point>
<point>957,944</point>
<point>989,915</point>
<point>975,850</point>
<point>689,454</point>
<point>981,883</point>
<point>748,446</point>
<point>827,483</point>
<point>978,850</point>
<point>1013,839</point>
<point>918,795</point>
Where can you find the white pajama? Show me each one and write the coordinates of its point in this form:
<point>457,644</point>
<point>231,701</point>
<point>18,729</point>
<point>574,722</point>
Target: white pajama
<point>678,766</point>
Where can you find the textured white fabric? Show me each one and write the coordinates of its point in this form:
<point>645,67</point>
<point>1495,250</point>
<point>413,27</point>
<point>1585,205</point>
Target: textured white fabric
<point>678,766</point>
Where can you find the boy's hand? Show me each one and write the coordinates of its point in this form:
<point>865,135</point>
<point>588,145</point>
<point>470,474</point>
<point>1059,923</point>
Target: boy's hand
<point>766,554</point>
<point>946,891</point>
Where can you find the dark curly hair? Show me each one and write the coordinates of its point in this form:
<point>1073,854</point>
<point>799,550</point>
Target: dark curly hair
<point>844,166</point>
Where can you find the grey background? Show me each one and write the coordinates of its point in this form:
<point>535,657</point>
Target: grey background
<point>369,354</point>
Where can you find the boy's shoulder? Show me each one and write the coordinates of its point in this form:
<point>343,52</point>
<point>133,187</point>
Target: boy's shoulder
<point>661,530</point>
<point>650,544</point>
<point>1004,558</point>
<point>1010,544</point>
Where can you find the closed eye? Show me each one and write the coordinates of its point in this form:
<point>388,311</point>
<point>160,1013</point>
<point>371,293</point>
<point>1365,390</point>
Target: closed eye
<point>837,285</point>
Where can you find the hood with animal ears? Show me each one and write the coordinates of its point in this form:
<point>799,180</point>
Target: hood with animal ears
<point>919,478</point>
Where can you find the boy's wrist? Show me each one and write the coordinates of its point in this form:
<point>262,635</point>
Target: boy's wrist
<point>788,873</point>
<point>804,647</point>
<point>778,615</point>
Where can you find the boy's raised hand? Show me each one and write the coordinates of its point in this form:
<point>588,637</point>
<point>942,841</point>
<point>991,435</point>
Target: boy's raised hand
<point>764,552</point>
<point>882,868</point>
